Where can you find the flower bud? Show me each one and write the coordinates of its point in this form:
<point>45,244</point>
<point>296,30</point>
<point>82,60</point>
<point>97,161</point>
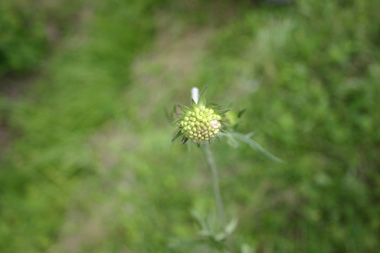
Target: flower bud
<point>199,123</point>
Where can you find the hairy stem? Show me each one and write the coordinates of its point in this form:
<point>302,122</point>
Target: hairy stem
<point>215,180</point>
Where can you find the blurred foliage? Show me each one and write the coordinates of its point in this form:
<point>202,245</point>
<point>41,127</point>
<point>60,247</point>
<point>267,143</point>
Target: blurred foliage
<point>312,72</point>
<point>28,29</point>
<point>91,167</point>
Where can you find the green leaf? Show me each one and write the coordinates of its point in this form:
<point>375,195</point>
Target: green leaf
<point>175,122</point>
<point>179,133</point>
<point>222,112</point>
<point>232,141</point>
<point>224,123</point>
<point>184,140</point>
<point>198,219</point>
<point>247,139</point>
<point>202,97</point>
<point>214,106</point>
<point>231,226</point>
<point>184,108</point>
<point>193,104</point>
<point>241,112</point>
<point>202,93</point>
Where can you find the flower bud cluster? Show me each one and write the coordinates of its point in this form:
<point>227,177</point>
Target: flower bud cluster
<point>200,124</point>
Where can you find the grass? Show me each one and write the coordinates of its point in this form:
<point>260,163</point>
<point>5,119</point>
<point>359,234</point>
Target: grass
<point>91,168</point>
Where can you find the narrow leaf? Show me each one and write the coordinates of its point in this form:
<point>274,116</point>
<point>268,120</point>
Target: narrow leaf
<point>241,112</point>
<point>184,140</point>
<point>225,123</point>
<point>215,108</point>
<point>202,97</point>
<point>247,139</point>
<point>193,103</point>
<point>184,108</point>
<point>179,133</point>
<point>203,92</point>
<point>199,220</point>
<point>231,226</point>
<point>232,141</point>
<point>175,122</point>
<point>223,112</point>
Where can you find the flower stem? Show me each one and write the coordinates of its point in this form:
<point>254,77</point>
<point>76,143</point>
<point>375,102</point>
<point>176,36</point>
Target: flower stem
<point>215,180</point>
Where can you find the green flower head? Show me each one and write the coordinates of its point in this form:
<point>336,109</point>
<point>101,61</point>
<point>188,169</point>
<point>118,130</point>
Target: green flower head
<point>199,123</point>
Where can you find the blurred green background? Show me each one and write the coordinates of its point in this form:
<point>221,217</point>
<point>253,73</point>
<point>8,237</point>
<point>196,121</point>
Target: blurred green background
<point>86,162</point>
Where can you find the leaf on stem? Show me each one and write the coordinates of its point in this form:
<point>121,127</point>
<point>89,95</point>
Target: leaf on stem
<point>241,112</point>
<point>254,145</point>
<point>202,97</point>
<point>184,140</point>
<point>223,111</point>
<point>179,133</point>
<point>231,226</point>
<point>193,103</point>
<point>175,122</point>
<point>184,108</point>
